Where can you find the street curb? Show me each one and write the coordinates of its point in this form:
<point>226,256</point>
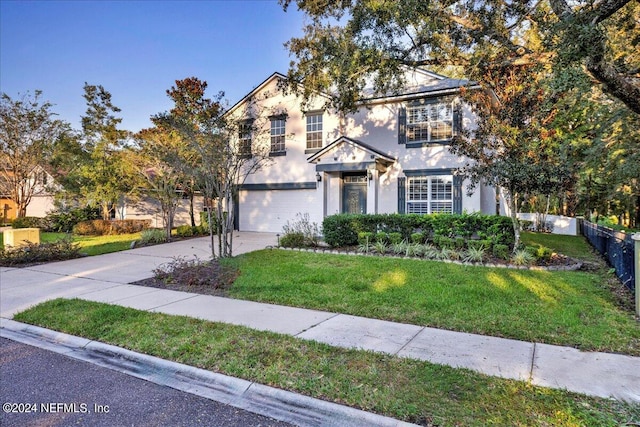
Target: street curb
<point>257,398</point>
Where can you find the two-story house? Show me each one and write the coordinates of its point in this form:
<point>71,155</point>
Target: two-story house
<point>391,156</point>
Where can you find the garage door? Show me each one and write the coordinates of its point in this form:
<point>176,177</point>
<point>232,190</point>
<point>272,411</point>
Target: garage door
<point>271,209</point>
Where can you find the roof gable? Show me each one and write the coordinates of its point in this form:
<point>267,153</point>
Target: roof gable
<point>347,150</point>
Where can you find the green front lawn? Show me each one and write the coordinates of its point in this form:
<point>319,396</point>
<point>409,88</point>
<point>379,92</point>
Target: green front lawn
<point>571,246</point>
<point>555,307</point>
<point>92,245</point>
<point>410,390</point>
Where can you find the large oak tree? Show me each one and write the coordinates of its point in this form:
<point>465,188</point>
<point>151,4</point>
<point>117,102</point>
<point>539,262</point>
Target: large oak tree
<point>347,43</point>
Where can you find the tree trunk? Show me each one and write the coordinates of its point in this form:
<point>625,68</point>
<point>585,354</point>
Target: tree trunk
<point>191,211</point>
<point>513,207</point>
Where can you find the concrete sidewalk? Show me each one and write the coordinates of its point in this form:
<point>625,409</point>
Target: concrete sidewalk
<point>105,279</point>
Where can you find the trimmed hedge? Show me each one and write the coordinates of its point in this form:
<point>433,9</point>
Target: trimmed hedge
<point>344,229</point>
<point>100,227</point>
<point>27,222</point>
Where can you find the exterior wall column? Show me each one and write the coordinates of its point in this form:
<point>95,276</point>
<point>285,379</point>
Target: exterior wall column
<point>372,191</point>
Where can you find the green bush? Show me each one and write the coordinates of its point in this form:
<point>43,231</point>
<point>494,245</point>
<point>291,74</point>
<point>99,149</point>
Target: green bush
<point>27,222</point>
<point>339,230</point>
<point>418,238</point>
<point>303,225</point>
<point>63,221</point>
<point>444,242</point>
<point>152,236</point>
<point>292,240</point>
<point>343,229</point>
<point>395,238</point>
<point>501,251</point>
<point>382,237</point>
<point>479,244</point>
<point>366,237</point>
<point>185,231</point>
<point>100,227</point>
<point>44,252</point>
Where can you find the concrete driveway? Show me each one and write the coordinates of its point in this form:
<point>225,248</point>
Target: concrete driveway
<point>21,288</point>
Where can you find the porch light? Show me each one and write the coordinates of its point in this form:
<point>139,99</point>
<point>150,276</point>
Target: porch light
<point>318,177</point>
<point>369,174</point>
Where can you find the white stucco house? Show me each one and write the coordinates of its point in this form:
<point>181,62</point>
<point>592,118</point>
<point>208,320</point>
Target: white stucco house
<point>391,156</point>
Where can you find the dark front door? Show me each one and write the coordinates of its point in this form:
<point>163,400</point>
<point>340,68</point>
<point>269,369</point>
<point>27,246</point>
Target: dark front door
<point>354,193</point>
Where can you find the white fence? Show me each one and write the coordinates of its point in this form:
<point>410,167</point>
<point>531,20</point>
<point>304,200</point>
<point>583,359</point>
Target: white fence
<point>560,224</point>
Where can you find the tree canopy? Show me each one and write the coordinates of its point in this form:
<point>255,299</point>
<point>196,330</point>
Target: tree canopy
<point>28,134</point>
<point>349,44</point>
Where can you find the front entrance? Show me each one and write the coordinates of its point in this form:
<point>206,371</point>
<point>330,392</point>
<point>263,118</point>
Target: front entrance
<point>354,193</point>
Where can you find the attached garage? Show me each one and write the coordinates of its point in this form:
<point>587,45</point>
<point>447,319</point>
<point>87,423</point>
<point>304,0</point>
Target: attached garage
<point>269,209</point>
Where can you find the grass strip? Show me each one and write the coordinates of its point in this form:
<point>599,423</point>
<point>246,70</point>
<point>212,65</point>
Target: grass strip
<point>554,307</point>
<point>96,245</point>
<point>572,246</point>
<point>414,391</point>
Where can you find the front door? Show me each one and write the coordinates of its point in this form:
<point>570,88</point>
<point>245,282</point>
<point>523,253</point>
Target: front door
<point>354,193</point>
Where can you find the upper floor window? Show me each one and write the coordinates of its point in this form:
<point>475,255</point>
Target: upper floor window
<point>423,122</point>
<point>430,194</point>
<point>244,138</point>
<point>314,130</point>
<point>429,122</point>
<point>277,134</point>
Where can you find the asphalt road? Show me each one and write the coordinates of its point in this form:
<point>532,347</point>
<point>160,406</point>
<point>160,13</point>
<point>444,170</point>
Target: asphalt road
<point>41,388</point>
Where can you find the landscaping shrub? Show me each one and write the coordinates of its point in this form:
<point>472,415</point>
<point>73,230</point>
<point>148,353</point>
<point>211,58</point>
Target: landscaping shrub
<point>185,231</point>
<point>342,230</point>
<point>417,238</point>
<point>339,230</point>
<point>100,227</point>
<point>479,244</point>
<point>27,222</point>
<point>395,237</point>
<point>302,225</point>
<point>365,237</point>
<point>63,221</point>
<point>43,252</point>
<point>522,257</point>
<point>501,251</point>
<point>195,272</point>
<point>540,253</point>
<point>382,237</point>
<point>152,236</point>
<point>292,240</point>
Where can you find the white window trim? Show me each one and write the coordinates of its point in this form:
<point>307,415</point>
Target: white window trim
<point>429,123</point>
<point>316,131</point>
<point>278,140</point>
<point>429,201</point>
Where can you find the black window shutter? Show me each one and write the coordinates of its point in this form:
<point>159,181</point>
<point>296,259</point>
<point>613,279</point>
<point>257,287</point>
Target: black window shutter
<point>457,194</point>
<point>457,120</point>
<point>402,194</point>
<point>402,125</point>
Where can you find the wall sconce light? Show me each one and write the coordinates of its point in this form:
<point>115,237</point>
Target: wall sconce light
<point>318,177</point>
<point>369,175</point>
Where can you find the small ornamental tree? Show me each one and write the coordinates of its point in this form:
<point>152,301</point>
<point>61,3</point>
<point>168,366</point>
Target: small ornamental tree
<point>216,162</point>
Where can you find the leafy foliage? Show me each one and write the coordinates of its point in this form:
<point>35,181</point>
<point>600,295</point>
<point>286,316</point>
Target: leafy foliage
<point>301,232</point>
<point>152,236</point>
<point>28,132</point>
<point>352,45</point>
<point>350,229</point>
<point>100,227</point>
<point>33,253</point>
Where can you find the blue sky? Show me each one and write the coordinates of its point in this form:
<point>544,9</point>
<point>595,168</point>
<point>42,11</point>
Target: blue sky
<point>137,49</point>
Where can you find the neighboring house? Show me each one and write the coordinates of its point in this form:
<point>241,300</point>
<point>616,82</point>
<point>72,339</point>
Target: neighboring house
<point>149,208</point>
<point>41,202</point>
<point>390,156</point>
